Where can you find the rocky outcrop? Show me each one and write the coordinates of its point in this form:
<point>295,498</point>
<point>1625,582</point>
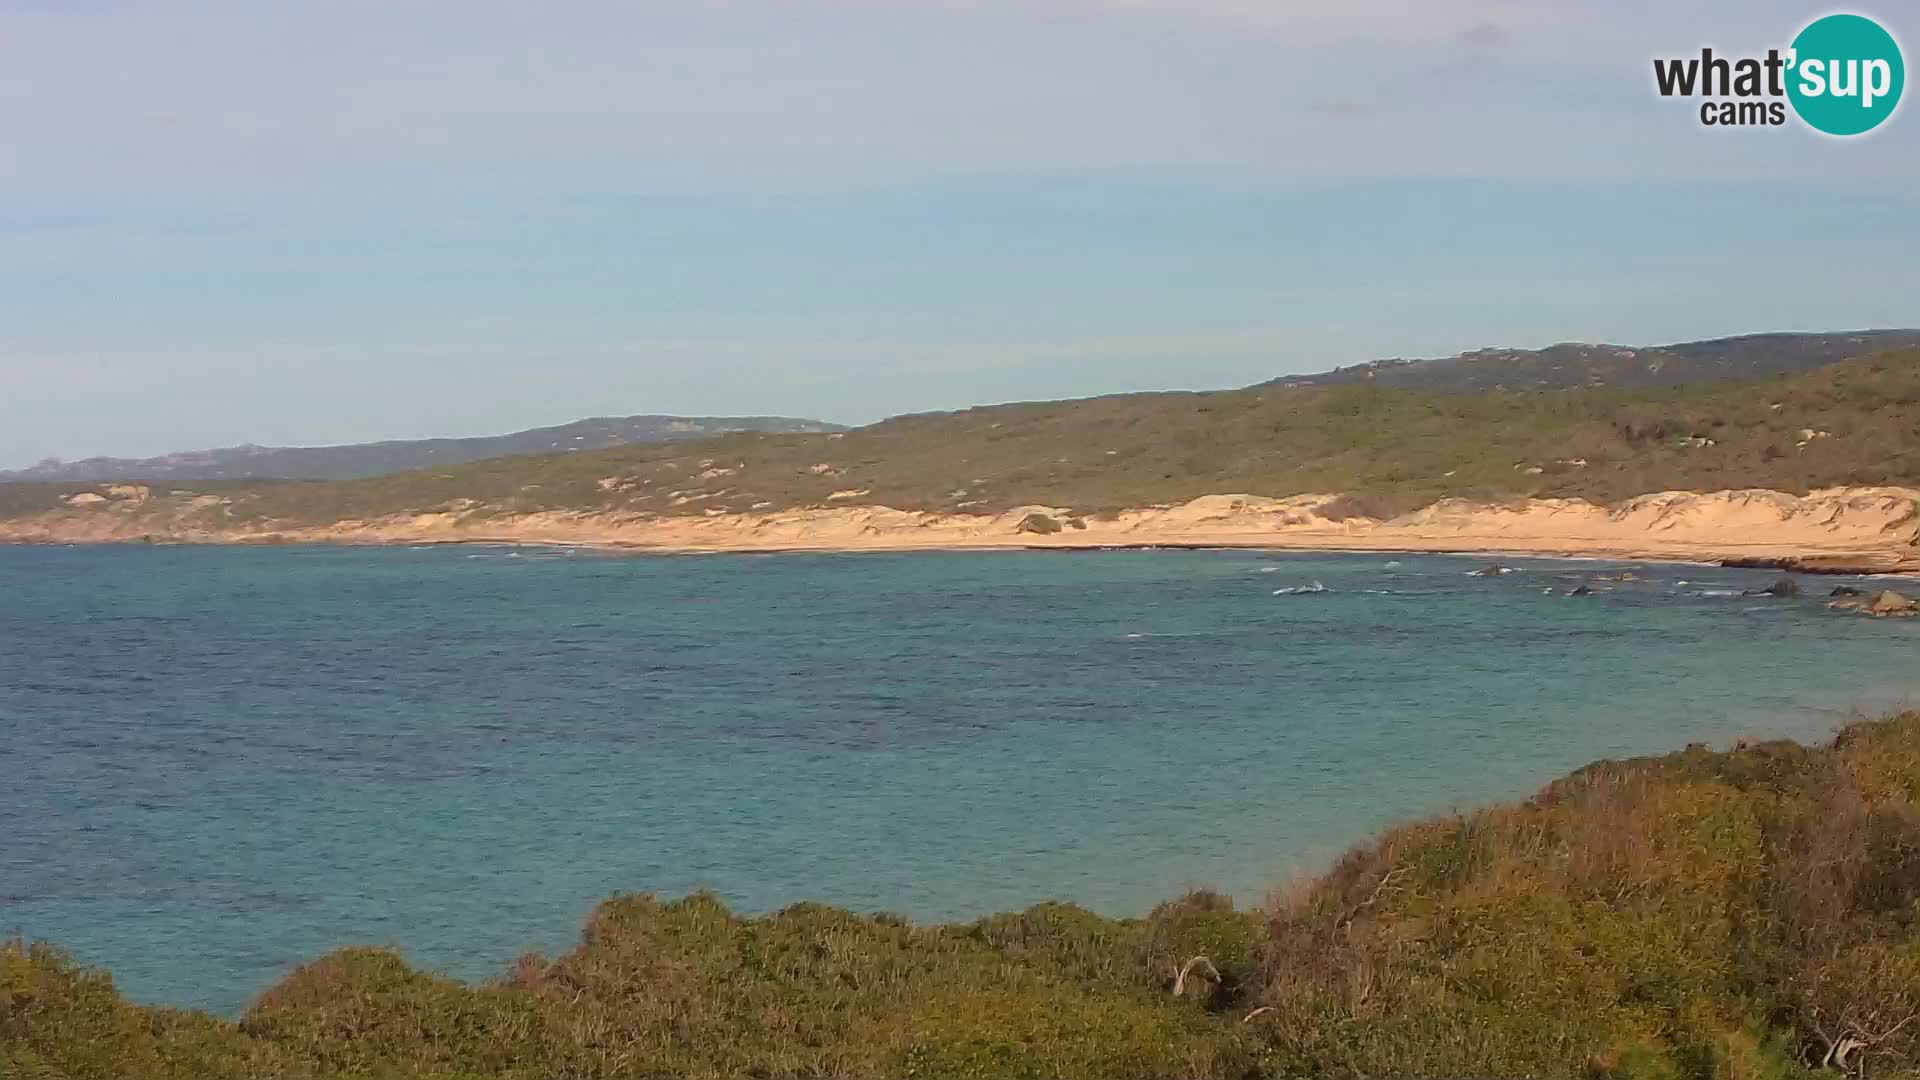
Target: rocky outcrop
<point>1881,604</point>
<point>1903,559</point>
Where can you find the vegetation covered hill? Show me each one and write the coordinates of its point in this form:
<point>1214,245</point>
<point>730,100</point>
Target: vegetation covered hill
<point>1856,422</point>
<point>1749,914</point>
<point>1489,371</point>
<point>376,459</point>
<point>1573,365</point>
<point>1558,367</point>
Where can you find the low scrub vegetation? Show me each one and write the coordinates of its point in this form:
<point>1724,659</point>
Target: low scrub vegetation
<point>1747,914</point>
<point>1390,450</point>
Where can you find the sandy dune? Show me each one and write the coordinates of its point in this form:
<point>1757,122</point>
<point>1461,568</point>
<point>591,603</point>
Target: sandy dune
<point>1864,528</point>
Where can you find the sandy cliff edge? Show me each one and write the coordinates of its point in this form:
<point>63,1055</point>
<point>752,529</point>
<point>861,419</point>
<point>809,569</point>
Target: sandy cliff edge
<point>1866,529</point>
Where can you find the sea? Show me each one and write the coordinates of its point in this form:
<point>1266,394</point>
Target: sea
<point>218,763</point>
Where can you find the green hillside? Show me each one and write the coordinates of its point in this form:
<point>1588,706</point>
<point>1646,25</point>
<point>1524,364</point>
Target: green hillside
<point>1749,914</point>
<point>1856,422</point>
<point>1572,365</point>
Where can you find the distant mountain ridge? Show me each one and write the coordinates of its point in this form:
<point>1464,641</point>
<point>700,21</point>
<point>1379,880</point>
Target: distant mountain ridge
<point>1574,365</point>
<point>1566,366</point>
<point>360,460</point>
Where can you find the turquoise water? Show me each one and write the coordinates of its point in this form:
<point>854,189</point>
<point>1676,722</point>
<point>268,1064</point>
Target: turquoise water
<point>215,763</point>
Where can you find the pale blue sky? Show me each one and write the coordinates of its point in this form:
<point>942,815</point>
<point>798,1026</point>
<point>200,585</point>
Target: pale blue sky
<point>295,223</point>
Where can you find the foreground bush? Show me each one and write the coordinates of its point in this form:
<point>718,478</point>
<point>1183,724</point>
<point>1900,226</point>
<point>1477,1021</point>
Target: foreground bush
<point>1715,915</point>
<point>1701,914</point>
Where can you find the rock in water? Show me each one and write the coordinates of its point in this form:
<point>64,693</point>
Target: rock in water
<point>1888,602</point>
<point>1785,586</point>
<point>1885,602</point>
<point>1846,590</point>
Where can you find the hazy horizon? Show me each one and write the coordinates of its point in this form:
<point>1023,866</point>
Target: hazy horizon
<point>224,223</point>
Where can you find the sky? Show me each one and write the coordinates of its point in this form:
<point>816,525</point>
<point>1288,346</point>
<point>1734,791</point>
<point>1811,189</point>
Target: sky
<point>295,223</point>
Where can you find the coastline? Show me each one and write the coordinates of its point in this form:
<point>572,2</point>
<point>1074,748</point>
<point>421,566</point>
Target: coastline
<point>1837,530</point>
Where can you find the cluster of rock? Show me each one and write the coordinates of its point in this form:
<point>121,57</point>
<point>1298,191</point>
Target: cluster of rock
<point>125,494</point>
<point>1044,524</point>
<point>1880,604</point>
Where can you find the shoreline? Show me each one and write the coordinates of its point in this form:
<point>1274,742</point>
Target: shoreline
<point>1813,562</point>
<point>1731,556</point>
<point>1841,564</point>
<point>1831,531</point>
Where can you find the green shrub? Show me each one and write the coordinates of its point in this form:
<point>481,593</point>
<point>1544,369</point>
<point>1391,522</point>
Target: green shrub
<point>60,1020</point>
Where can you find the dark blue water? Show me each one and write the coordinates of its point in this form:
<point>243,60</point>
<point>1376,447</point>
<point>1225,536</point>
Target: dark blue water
<point>215,763</point>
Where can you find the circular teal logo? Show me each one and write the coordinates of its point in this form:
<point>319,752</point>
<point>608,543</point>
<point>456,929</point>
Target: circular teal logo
<point>1845,74</point>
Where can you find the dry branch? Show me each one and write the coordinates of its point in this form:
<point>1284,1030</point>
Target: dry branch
<point>1207,969</point>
